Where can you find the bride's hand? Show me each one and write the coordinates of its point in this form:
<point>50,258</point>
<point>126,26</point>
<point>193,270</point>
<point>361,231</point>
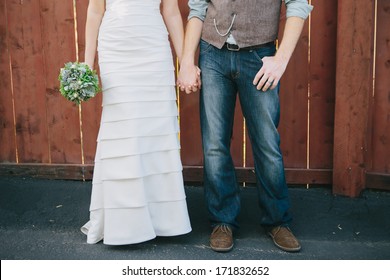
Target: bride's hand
<point>90,65</point>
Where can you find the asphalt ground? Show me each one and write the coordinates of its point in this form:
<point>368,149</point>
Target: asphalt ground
<point>40,219</point>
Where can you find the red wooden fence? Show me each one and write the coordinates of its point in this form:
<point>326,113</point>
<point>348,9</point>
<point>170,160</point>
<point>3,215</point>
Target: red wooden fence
<point>378,162</point>
<point>335,98</point>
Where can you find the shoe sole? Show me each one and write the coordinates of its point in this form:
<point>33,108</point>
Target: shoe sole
<point>290,250</point>
<point>221,250</point>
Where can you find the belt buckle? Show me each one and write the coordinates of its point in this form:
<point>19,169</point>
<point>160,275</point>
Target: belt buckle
<point>231,47</point>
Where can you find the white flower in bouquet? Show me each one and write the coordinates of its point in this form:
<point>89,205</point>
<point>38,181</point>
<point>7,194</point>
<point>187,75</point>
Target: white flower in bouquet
<point>78,82</point>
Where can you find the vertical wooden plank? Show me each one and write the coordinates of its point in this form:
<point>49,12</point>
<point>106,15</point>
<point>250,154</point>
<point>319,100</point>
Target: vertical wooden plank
<point>81,12</point>
<point>58,38</point>
<point>322,82</point>
<point>353,88</point>
<point>92,109</point>
<point>379,150</point>
<point>7,129</point>
<point>28,74</point>
<point>190,137</point>
<point>294,101</point>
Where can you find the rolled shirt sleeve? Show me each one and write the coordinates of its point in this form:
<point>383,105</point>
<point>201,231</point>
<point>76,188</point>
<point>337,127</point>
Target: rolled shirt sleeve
<point>298,8</point>
<point>198,9</point>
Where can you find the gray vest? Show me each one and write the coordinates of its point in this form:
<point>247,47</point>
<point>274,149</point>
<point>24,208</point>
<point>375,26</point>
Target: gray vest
<point>253,22</point>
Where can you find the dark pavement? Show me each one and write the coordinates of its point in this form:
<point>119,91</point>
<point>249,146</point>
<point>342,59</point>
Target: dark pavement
<point>40,220</point>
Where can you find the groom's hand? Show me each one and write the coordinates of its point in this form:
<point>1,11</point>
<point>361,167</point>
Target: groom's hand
<point>270,73</point>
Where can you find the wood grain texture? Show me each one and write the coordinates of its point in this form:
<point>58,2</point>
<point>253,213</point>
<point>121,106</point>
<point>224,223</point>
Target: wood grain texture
<point>322,82</point>
<point>29,85</point>
<point>379,149</point>
<point>353,89</point>
<point>379,181</point>
<point>58,40</point>
<point>7,128</point>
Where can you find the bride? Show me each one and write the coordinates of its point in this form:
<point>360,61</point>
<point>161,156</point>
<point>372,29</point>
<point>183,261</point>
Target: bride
<point>137,187</point>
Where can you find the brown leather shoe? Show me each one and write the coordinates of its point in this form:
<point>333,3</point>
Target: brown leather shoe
<point>221,239</point>
<point>284,239</point>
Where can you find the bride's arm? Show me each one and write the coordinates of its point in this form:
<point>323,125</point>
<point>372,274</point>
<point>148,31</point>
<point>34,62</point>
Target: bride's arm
<point>174,23</point>
<point>94,18</point>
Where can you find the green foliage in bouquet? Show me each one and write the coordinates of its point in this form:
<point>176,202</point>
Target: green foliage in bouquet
<point>78,82</point>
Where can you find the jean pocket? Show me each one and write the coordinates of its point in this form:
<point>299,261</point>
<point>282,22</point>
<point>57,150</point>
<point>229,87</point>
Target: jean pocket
<point>204,47</point>
<point>260,53</point>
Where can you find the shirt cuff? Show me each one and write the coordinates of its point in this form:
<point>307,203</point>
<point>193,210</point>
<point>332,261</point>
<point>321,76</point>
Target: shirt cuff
<point>198,8</point>
<point>192,15</point>
<point>299,10</point>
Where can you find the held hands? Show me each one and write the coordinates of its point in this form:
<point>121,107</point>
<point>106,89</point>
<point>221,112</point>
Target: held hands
<point>189,78</point>
<point>270,73</point>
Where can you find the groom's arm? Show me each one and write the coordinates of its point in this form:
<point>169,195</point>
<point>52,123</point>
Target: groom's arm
<point>274,67</point>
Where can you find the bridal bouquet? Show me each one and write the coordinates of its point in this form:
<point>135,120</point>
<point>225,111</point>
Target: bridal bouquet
<point>78,82</point>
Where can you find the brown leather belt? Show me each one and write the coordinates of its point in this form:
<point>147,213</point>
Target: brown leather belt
<point>236,48</point>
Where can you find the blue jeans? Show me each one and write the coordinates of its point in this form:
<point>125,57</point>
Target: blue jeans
<point>226,74</point>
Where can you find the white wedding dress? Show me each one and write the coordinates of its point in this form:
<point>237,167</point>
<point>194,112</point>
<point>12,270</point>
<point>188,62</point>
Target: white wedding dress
<point>138,190</point>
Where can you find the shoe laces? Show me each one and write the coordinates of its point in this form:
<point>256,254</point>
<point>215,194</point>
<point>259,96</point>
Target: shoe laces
<point>223,228</point>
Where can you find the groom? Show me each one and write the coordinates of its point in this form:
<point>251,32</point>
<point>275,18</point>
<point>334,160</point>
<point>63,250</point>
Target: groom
<point>238,54</point>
